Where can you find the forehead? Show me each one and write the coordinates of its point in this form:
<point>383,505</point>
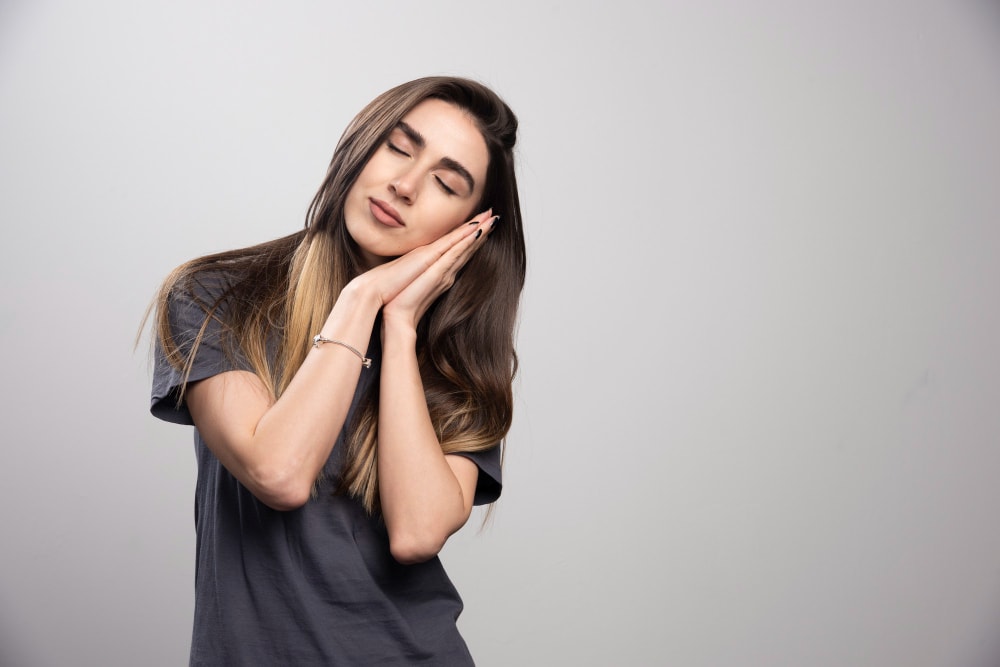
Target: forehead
<point>450,132</point>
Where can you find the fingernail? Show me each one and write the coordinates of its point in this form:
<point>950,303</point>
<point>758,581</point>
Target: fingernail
<point>479,233</point>
<point>494,221</point>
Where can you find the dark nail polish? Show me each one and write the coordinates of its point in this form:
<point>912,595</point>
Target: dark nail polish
<point>479,233</point>
<point>494,221</point>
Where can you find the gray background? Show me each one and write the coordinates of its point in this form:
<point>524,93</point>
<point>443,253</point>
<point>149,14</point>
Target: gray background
<point>757,418</point>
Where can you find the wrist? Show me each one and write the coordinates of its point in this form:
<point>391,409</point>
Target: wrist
<point>398,326</point>
<point>360,294</point>
<point>352,315</point>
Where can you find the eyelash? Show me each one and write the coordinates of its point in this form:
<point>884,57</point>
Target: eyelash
<point>444,186</point>
<point>396,149</point>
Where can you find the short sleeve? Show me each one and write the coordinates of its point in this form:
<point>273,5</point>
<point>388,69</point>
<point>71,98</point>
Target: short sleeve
<point>490,482</point>
<point>186,317</point>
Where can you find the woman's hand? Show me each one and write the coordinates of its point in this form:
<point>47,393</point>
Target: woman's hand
<point>407,286</point>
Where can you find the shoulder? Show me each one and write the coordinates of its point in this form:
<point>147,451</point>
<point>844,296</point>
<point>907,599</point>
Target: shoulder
<point>193,341</point>
<point>208,290</point>
<point>195,305</point>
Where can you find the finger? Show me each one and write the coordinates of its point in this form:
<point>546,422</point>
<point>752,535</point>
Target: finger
<point>482,217</point>
<point>485,228</point>
<point>441,273</point>
<point>460,232</point>
<point>491,224</point>
<point>448,241</point>
<point>456,257</point>
<point>462,237</point>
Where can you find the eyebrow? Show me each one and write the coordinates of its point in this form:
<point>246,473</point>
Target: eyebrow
<point>446,162</point>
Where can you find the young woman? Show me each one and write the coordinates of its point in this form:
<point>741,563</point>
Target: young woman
<point>350,385</point>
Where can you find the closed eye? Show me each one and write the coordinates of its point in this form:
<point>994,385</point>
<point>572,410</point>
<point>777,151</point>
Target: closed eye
<point>396,149</point>
<point>444,186</point>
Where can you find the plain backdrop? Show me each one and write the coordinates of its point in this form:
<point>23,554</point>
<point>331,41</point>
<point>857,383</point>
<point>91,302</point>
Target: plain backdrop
<point>758,412</point>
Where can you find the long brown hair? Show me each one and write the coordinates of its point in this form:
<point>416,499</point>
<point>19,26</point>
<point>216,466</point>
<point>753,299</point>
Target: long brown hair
<point>284,289</point>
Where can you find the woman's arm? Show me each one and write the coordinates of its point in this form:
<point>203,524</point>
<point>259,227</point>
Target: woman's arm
<point>277,449</point>
<point>425,495</point>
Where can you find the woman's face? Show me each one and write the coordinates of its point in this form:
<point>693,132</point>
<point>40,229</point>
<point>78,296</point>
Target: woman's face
<point>421,183</point>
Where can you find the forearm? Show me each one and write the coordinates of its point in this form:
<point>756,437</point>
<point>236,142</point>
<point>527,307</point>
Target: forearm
<point>422,500</point>
<point>277,449</point>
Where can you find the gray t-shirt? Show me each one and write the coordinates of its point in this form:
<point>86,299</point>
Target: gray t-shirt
<point>316,585</point>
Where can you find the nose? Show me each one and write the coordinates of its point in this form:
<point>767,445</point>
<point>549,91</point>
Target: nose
<point>404,186</point>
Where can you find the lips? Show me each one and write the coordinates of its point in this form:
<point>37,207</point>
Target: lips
<point>385,213</point>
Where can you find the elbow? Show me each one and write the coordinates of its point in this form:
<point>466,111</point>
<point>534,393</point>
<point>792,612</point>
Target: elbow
<point>416,539</point>
<point>285,502</point>
<point>412,549</point>
<point>280,491</point>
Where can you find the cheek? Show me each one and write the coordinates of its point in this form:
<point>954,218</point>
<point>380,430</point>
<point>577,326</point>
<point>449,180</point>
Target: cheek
<point>452,218</point>
<point>374,171</point>
<point>439,213</point>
